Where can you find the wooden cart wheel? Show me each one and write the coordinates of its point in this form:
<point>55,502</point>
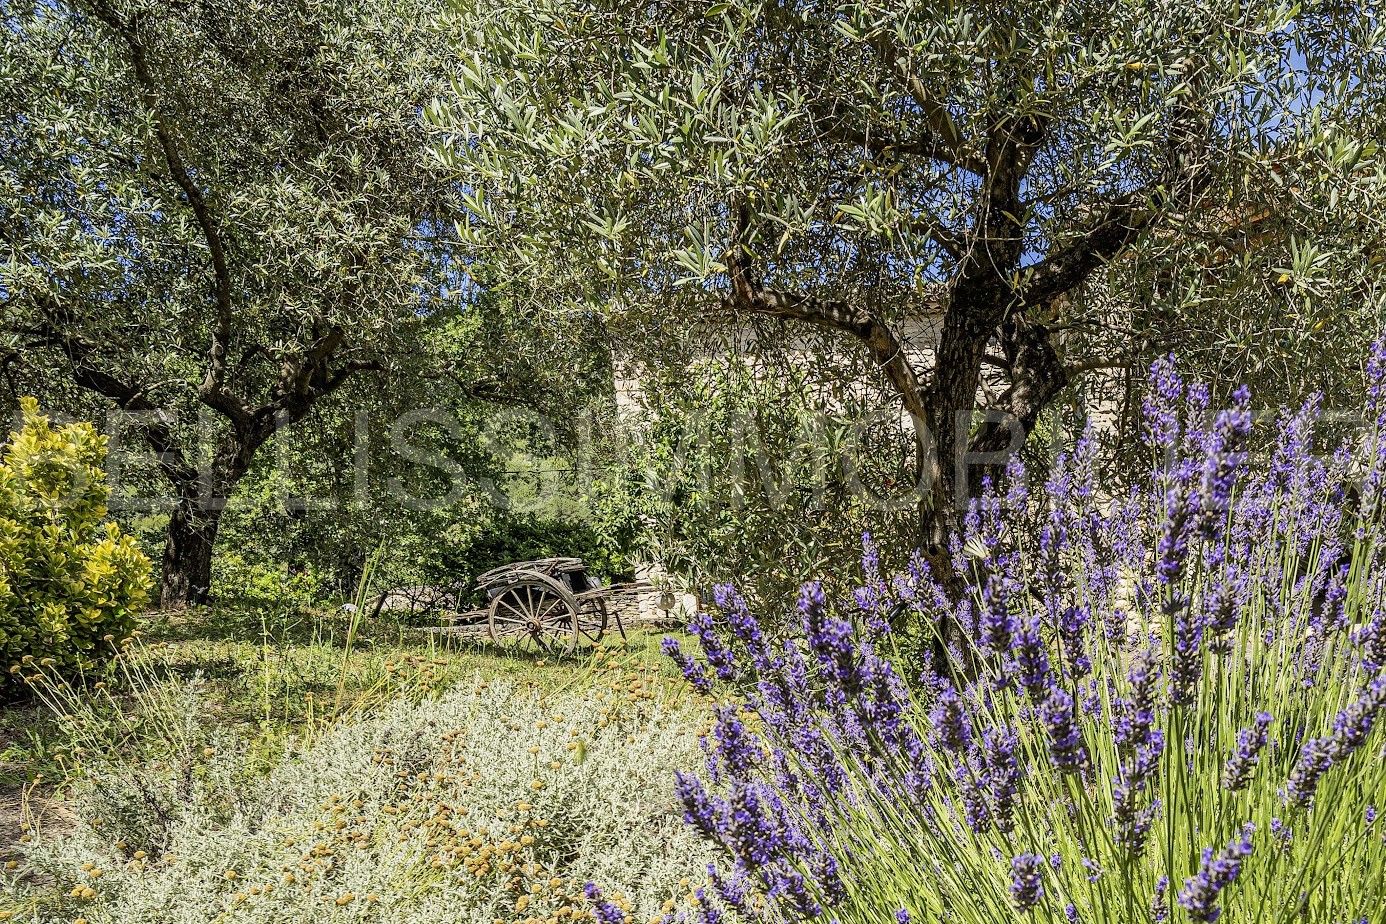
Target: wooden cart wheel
<point>591,622</point>
<point>534,614</point>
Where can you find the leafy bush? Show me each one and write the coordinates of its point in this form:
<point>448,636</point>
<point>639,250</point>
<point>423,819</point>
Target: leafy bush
<point>440,548</point>
<point>487,803</point>
<point>70,584</point>
<point>251,591</point>
<point>1168,711</point>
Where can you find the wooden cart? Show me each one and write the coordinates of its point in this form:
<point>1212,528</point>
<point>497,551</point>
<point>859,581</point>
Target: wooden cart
<point>550,605</point>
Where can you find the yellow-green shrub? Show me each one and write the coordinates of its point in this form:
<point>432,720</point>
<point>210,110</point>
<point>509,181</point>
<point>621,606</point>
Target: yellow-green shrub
<point>70,583</point>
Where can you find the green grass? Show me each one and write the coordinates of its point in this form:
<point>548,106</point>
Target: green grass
<point>272,676</point>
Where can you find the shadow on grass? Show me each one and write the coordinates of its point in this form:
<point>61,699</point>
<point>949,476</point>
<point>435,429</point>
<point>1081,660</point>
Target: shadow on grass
<point>276,677</point>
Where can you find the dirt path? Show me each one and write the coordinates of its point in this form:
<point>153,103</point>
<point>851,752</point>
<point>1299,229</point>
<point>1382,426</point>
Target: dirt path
<point>50,816</point>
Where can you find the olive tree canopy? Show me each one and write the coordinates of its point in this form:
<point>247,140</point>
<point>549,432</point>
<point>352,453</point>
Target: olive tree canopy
<point>863,166</point>
<point>214,210</point>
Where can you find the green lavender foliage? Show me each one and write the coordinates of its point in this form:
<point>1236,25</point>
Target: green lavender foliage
<point>1186,686</point>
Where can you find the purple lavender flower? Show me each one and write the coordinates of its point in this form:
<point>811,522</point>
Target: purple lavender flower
<point>951,724</point>
<point>1181,505</point>
<point>1236,773</point>
<point>1142,766</point>
<point>1294,447</point>
<point>1222,462</point>
<point>1329,607</point>
<point>1092,700</point>
<point>701,811</point>
<point>1114,624</point>
<point>1198,398</point>
<point>837,725</point>
<point>997,624</point>
<point>976,811</point>
<point>1073,625</point>
<point>1159,905</point>
<point>1026,886</point>
<point>830,639</point>
<point>792,892</point>
<point>708,913</point>
<point>738,749</point>
<point>1376,409</point>
<point>1200,893</point>
<point>829,880</point>
<point>1187,665</point>
<point>757,832</point>
<point>743,625</point>
<point>1002,777</point>
<point>1133,821</point>
<point>873,597</point>
<point>1350,730</point>
<point>1160,407</point>
<point>718,655</point>
<point>1371,638</point>
<point>1031,660</point>
<point>1017,497</point>
<point>1134,718</point>
<point>604,911</point>
<point>1221,610</point>
<point>1314,760</point>
<point>881,708</point>
<point>1352,726</point>
<point>1066,748</point>
<point>732,891</point>
<point>692,671</point>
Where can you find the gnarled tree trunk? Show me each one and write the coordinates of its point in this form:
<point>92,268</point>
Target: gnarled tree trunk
<point>187,566</point>
<point>200,500</point>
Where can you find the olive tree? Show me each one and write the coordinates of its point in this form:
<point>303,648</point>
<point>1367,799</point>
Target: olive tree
<point>862,167</point>
<point>212,215</point>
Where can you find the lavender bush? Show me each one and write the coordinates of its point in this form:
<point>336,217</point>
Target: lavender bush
<point>1168,711</point>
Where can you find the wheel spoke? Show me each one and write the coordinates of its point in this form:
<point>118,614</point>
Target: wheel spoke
<point>592,623</point>
<point>532,616</point>
<point>517,618</point>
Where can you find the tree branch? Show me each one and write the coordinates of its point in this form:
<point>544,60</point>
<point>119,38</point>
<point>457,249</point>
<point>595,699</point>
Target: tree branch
<point>1036,377</point>
<point>1125,361</point>
<point>750,295</point>
<point>157,428</point>
<point>998,362</point>
<point>953,243</point>
<point>1186,175</point>
<point>940,120</point>
<point>346,370</point>
<point>211,390</point>
<point>927,145</point>
<point>1121,223</point>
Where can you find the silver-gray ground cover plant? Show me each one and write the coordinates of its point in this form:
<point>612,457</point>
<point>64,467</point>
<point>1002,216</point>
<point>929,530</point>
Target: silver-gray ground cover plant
<point>487,803</point>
